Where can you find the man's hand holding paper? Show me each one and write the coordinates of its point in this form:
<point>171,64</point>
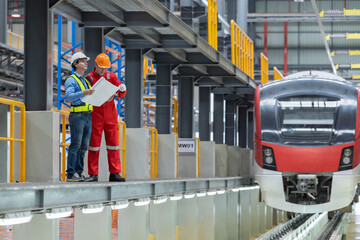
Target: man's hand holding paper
<point>103,91</point>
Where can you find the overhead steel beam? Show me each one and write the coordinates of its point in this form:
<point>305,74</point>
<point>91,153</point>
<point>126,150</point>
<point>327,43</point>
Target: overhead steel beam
<point>179,54</point>
<point>68,11</point>
<point>207,82</point>
<point>316,10</point>
<point>148,34</point>
<point>142,19</point>
<point>96,19</point>
<point>193,70</point>
<point>221,90</point>
<point>244,91</point>
<point>53,3</point>
<point>108,9</point>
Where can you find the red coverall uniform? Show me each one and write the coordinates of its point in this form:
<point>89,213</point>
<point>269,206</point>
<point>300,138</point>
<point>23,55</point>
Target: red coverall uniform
<point>105,118</point>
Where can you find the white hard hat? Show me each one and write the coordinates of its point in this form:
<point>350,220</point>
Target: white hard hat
<point>78,55</point>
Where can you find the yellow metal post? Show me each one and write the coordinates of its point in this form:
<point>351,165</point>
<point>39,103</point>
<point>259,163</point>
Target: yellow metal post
<point>198,146</point>
<point>152,236</point>
<point>122,126</point>
<point>12,129</point>
<point>22,143</point>
<point>177,232</point>
<point>232,37</point>
<point>63,121</point>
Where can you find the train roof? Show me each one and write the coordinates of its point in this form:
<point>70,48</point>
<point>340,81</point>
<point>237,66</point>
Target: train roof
<point>314,75</point>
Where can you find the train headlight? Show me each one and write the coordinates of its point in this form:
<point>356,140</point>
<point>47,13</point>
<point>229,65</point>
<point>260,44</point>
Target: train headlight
<point>347,152</point>
<point>268,152</point>
<point>346,159</point>
<point>268,158</point>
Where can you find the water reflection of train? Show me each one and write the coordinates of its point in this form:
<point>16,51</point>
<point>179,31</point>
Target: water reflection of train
<point>307,142</point>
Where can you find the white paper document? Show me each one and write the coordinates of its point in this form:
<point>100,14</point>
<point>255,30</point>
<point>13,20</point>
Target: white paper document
<point>103,90</point>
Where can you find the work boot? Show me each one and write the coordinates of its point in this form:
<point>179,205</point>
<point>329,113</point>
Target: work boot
<point>94,178</point>
<point>115,177</point>
<point>86,179</point>
<point>74,178</point>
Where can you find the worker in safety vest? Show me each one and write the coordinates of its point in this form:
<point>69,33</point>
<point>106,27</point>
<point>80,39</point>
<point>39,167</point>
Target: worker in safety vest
<point>105,118</point>
<point>76,87</point>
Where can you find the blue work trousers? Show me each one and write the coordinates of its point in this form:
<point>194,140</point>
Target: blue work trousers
<point>80,130</point>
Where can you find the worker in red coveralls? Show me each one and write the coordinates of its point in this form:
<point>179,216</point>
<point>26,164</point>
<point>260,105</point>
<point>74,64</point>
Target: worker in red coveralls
<point>105,118</point>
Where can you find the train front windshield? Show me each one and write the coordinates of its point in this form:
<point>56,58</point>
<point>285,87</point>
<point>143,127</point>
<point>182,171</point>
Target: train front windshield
<point>307,118</point>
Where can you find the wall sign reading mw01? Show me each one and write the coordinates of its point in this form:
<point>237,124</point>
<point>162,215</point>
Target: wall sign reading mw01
<point>186,146</point>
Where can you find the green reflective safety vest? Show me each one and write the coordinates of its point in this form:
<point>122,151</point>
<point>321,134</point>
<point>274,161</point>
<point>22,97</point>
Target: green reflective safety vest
<point>87,106</point>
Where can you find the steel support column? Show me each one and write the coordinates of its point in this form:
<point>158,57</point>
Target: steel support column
<point>186,103</point>
<point>94,45</point>
<point>3,21</point>
<point>231,9</point>
<point>250,126</point>
<point>230,123</point>
<point>204,113</point>
<point>241,14</point>
<point>134,84</point>
<point>163,98</point>
<point>218,125</point>
<point>38,76</point>
<point>242,123</point>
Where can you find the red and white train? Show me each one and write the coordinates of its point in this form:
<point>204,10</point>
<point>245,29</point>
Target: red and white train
<point>307,142</point>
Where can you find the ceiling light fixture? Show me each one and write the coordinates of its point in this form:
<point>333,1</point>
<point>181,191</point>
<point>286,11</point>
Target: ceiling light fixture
<point>222,191</point>
<point>93,208</point>
<point>211,192</point>
<point>120,205</point>
<point>59,213</point>
<point>142,202</point>
<point>189,195</point>
<point>160,199</point>
<point>176,197</point>
<point>16,13</point>
<point>201,194</point>
<point>15,218</point>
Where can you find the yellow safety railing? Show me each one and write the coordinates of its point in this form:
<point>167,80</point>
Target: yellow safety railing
<point>264,65</point>
<point>175,107</point>
<point>147,68</point>
<point>152,236</point>
<point>242,50</point>
<point>153,151</point>
<point>12,138</point>
<point>277,74</point>
<point>19,45</point>
<point>63,144</point>
<point>18,38</point>
<point>122,146</point>
<point>212,23</point>
<point>198,147</point>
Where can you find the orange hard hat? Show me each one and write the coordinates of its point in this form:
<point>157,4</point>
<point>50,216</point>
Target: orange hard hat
<point>103,60</point>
